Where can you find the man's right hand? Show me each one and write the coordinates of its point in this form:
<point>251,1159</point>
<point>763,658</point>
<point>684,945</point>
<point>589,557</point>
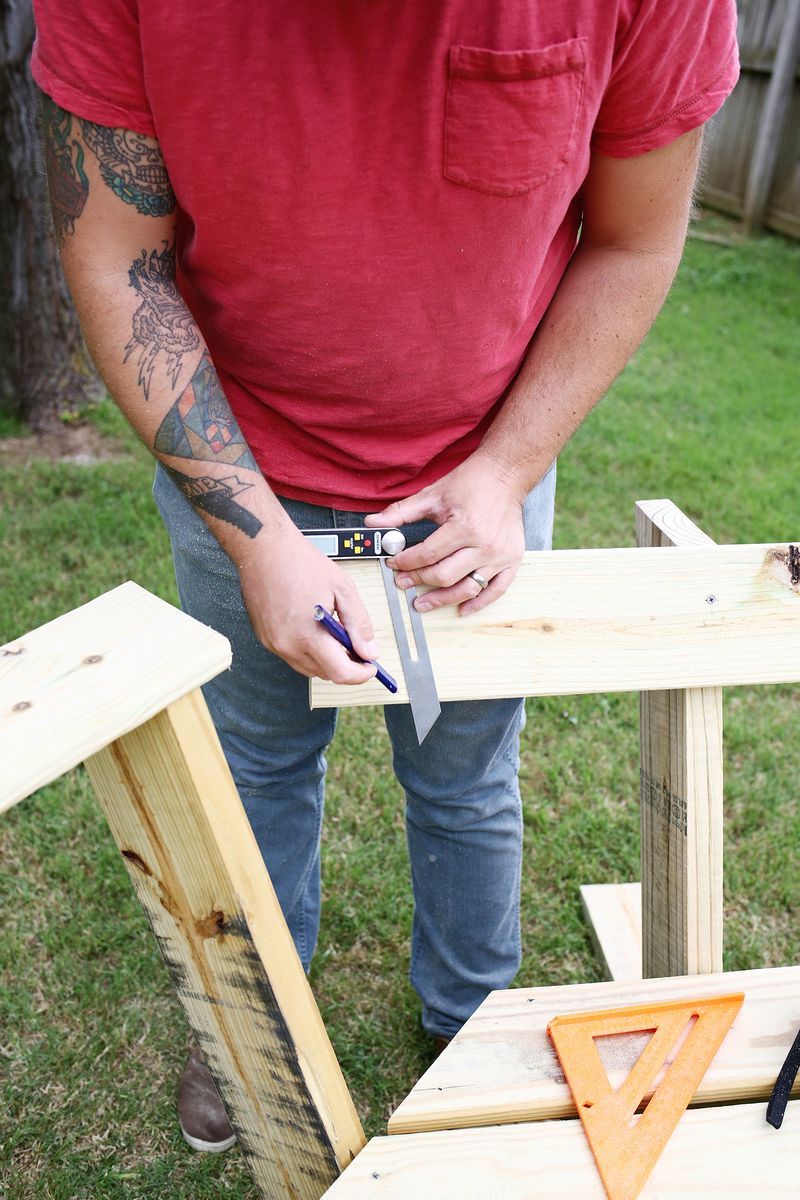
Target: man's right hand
<point>281,586</point>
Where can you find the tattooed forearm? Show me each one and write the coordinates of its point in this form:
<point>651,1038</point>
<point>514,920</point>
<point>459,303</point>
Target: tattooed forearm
<point>132,166</point>
<point>200,424</point>
<point>162,324</point>
<point>66,179</point>
<point>216,497</point>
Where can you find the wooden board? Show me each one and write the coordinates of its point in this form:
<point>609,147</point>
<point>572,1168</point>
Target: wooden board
<point>614,914</point>
<point>578,621</point>
<point>667,525</point>
<point>502,1068</point>
<point>680,774</point>
<point>75,684</point>
<point>193,860</point>
<point>714,1154</point>
<point>681,830</point>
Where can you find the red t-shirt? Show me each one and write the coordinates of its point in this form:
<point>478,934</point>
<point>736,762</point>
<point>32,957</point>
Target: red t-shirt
<point>377,200</point>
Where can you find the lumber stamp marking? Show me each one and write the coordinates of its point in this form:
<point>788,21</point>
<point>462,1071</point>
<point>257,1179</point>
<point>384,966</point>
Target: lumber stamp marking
<point>681,797</point>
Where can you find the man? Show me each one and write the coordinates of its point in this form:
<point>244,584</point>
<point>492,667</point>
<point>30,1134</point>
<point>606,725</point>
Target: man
<point>325,258</point>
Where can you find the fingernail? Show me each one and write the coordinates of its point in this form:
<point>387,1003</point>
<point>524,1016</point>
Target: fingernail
<point>404,582</point>
<point>422,606</point>
<point>372,649</point>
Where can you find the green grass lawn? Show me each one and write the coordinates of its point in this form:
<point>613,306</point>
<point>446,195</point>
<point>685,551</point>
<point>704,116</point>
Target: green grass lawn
<point>91,1037</point>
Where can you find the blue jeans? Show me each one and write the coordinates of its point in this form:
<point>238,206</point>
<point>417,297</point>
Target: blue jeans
<point>463,811</point>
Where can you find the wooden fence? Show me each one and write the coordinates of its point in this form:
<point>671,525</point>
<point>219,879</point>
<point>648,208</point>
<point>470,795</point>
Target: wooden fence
<point>753,161</point>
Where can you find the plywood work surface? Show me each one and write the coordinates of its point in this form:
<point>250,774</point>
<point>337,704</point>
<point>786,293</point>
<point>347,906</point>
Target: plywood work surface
<point>715,1153</point>
<point>502,1067</point>
<point>72,686</point>
<point>577,621</point>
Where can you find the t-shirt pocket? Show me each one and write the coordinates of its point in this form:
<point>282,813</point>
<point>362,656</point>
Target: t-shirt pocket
<point>512,116</point>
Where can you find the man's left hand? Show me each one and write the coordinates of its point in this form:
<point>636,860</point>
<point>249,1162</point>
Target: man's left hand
<point>479,515</point>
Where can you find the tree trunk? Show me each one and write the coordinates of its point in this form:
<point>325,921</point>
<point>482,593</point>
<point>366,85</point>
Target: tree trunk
<point>45,371</point>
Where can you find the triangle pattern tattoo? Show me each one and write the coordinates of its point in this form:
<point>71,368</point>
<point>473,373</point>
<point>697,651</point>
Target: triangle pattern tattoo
<point>625,1145</point>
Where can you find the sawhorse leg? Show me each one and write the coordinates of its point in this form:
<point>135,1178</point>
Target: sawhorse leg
<point>194,863</point>
<point>680,898</point>
<point>681,801</point>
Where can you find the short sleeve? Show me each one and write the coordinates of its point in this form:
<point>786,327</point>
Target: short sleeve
<point>87,57</point>
<point>673,70</point>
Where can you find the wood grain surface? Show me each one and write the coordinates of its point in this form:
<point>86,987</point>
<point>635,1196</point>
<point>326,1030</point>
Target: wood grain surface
<point>578,621</point>
<point>725,1153</point>
<point>193,860</point>
<point>680,787</point>
<point>614,914</point>
<point>502,1068</point>
<point>75,684</point>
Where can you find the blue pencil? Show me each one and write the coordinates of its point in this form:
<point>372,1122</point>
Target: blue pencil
<point>343,637</point>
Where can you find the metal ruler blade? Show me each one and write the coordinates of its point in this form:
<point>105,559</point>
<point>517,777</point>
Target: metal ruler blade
<point>420,683</point>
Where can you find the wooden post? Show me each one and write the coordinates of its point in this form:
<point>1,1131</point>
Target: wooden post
<point>176,816</point>
<point>116,683</point>
<point>681,800</point>
<point>773,115</point>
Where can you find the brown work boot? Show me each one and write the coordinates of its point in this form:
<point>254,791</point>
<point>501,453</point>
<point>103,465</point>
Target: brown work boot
<point>204,1122</point>
<point>440,1043</point>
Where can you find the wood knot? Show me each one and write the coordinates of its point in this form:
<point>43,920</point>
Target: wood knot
<point>211,926</point>
<point>92,658</point>
<point>788,559</point>
<point>137,860</point>
<point>794,564</point>
<point>21,705</point>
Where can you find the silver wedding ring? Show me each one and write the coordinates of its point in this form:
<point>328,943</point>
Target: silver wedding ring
<point>479,579</point>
